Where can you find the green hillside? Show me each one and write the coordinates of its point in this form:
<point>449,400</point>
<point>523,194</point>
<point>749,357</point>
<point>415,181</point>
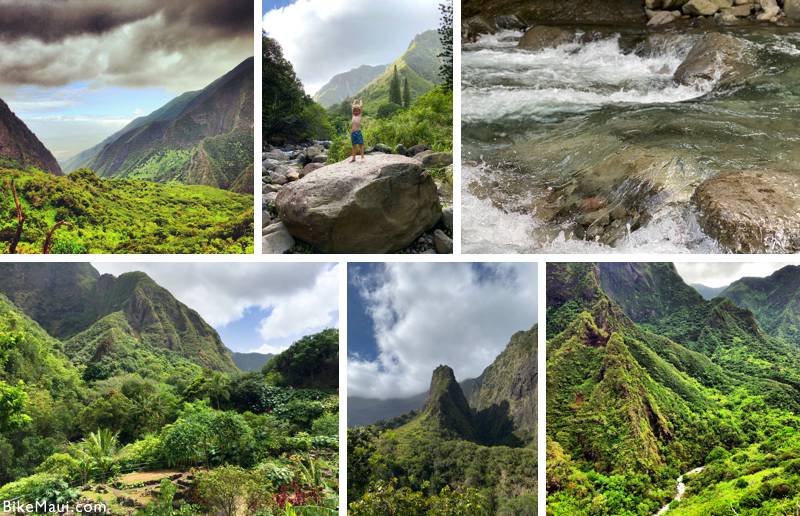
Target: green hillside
<point>455,456</point>
<point>118,216</point>
<point>634,402</point>
<point>347,84</point>
<point>419,64</point>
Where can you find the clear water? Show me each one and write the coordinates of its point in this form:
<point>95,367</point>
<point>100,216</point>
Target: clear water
<point>539,122</point>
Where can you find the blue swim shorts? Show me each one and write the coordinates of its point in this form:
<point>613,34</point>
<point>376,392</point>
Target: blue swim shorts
<point>356,138</point>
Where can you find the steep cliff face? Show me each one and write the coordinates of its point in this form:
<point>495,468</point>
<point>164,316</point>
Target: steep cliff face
<point>19,145</point>
<point>203,137</point>
<point>446,409</point>
<point>509,384</point>
<point>67,299</point>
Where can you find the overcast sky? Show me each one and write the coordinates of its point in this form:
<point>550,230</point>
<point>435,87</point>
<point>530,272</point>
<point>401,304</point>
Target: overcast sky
<point>723,274</point>
<point>262,307</point>
<point>75,71</point>
<point>322,38</point>
<point>405,319</point>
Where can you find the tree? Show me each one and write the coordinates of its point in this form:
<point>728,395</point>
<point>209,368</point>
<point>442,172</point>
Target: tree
<point>12,406</point>
<point>406,93</point>
<point>98,450</point>
<point>446,37</point>
<point>312,361</point>
<point>395,96</point>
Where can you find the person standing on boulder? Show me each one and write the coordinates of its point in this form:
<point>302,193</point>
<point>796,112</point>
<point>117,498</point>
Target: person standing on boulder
<point>356,137</point>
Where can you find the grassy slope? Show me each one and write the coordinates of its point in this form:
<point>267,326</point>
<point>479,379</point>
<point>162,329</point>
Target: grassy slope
<point>125,216</point>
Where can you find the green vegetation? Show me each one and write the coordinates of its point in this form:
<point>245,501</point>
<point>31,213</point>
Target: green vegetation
<point>647,381</point>
<point>168,162</point>
<point>123,216</point>
<point>214,442</point>
<point>289,115</point>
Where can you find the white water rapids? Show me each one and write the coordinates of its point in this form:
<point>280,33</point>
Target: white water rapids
<point>680,489</point>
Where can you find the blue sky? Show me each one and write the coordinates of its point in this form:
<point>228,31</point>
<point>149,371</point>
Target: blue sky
<point>405,319</point>
<point>77,73</point>
<point>262,307</point>
<point>323,38</point>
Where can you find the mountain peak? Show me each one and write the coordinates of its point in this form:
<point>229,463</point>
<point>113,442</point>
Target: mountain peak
<point>446,409</point>
<point>20,145</point>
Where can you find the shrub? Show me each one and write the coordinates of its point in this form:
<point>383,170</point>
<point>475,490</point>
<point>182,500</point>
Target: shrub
<point>388,109</point>
<point>303,413</point>
<point>62,465</point>
<point>741,484</point>
<point>327,424</point>
<point>228,488</point>
<point>41,487</point>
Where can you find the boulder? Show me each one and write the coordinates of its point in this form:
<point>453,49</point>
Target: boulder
<point>269,164</point>
<point>314,151</point>
<point>294,175</point>
<point>277,155</point>
<point>417,149</point>
<point>276,239</point>
<point>400,149</point>
<point>379,205</point>
<point>310,168</point>
<point>542,37</point>
<point>269,198</point>
<point>700,7</point>
<point>442,242</point>
<point>792,9</point>
<point>279,175</point>
<point>714,55</point>
<point>509,22</point>
<point>474,27</point>
<point>379,147</point>
<point>430,159</point>
<point>740,11</point>
<point>322,158</point>
<point>751,211</point>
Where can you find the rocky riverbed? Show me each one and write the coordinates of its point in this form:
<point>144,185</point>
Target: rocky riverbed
<point>679,138</point>
<point>396,200</point>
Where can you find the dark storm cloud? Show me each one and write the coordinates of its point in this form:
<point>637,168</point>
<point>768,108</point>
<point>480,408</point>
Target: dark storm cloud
<point>178,44</point>
<point>54,20</point>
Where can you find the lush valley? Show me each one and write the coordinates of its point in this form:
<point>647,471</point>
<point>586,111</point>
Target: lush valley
<point>138,405</point>
<point>347,84</point>
<point>458,454</point>
<point>647,382</point>
<point>121,215</point>
<point>199,138</point>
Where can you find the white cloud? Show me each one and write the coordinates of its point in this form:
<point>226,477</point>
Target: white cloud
<point>427,314</point>
<point>325,37</point>
<point>303,297</point>
<point>723,274</point>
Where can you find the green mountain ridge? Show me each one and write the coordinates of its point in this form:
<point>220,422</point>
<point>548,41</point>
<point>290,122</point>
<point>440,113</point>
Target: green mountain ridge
<point>707,292</point>
<point>19,146</point>
<point>68,299</point>
<point>419,64</point>
<point>251,361</point>
<point>199,138</point>
<point>344,85</point>
<point>632,402</point>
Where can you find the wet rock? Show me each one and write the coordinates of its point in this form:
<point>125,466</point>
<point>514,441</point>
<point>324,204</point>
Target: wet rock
<point>700,7</point>
<point>509,22</point>
<point>770,10</point>
<point>542,37</point>
<point>379,205</point>
<point>751,212</point>
<point>714,54</point>
<point>276,239</point>
<point>443,243</point>
<point>476,26</point>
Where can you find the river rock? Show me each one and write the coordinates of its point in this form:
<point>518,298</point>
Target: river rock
<point>542,37</point>
<point>442,242</point>
<point>663,18</point>
<point>474,27</point>
<point>322,158</point>
<point>400,149</point>
<point>276,154</point>
<point>379,147</point>
<point>792,9</point>
<point>769,10</point>
<point>269,164</point>
<point>310,168</point>
<point>714,54</point>
<point>269,197</point>
<point>294,175</point>
<point>509,22</point>
<point>279,175</point>
<point>751,212</point>
<point>314,151</point>
<point>700,7</point>
<point>379,205</point>
<point>276,239</point>
<point>447,217</point>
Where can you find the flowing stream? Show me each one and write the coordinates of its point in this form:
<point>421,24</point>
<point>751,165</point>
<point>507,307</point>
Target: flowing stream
<point>572,118</point>
<point>680,489</point>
